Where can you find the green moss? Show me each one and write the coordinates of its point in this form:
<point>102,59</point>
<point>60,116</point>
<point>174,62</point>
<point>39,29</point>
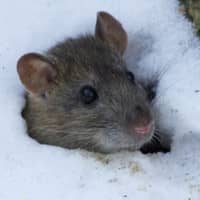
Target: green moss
<point>192,11</point>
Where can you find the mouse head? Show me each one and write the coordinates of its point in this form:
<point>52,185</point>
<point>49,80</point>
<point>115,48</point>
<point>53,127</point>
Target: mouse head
<point>81,95</point>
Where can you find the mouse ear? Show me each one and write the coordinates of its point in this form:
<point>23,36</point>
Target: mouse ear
<point>36,72</point>
<point>111,31</point>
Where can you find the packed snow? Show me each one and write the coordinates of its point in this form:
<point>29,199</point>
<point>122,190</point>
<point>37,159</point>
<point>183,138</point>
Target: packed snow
<point>160,40</point>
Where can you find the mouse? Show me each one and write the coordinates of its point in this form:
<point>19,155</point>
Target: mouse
<point>80,94</point>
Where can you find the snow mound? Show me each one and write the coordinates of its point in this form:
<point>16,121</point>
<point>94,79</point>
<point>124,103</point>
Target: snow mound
<point>160,40</point>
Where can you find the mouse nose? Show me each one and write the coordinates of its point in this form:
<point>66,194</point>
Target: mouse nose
<point>142,129</point>
<point>141,122</point>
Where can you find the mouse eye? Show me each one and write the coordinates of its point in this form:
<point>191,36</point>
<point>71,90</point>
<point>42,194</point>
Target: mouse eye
<point>88,94</point>
<point>151,95</point>
<point>151,92</point>
<point>131,76</point>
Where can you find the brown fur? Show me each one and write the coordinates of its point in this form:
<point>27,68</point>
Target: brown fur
<point>54,111</point>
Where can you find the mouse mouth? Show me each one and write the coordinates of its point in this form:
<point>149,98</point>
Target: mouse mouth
<point>142,133</point>
<point>129,138</point>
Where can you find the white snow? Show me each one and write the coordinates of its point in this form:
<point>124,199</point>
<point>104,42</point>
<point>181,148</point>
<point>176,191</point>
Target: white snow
<point>160,38</point>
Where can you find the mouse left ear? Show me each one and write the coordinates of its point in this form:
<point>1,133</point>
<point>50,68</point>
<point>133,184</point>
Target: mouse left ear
<point>36,73</point>
<point>109,30</point>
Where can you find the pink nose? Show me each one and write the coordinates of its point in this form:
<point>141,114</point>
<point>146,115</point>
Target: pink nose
<point>142,130</point>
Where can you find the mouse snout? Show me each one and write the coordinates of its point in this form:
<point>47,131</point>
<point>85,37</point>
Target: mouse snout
<point>142,129</point>
<point>140,121</point>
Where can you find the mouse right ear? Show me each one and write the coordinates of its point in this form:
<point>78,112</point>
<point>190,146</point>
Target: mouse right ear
<point>36,72</point>
<point>109,30</point>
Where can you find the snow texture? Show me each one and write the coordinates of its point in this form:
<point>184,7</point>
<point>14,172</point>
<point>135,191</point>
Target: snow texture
<point>160,40</point>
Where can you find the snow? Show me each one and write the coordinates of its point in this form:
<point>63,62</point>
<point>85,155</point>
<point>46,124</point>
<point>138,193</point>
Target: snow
<point>160,40</point>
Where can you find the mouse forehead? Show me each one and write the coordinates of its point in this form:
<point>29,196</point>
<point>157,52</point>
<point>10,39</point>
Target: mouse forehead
<point>85,55</point>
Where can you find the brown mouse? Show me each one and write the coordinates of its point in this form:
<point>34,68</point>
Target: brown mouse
<point>81,94</point>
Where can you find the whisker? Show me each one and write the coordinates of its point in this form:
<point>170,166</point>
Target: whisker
<point>156,139</point>
<point>164,91</point>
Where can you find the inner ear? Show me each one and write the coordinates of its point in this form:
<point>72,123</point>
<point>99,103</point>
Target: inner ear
<point>109,30</point>
<point>36,72</point>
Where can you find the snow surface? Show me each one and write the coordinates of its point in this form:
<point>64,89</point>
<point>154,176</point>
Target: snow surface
<point>160,38</point>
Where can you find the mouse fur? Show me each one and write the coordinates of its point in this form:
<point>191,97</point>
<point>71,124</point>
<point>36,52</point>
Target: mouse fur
<point>80,94</point>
